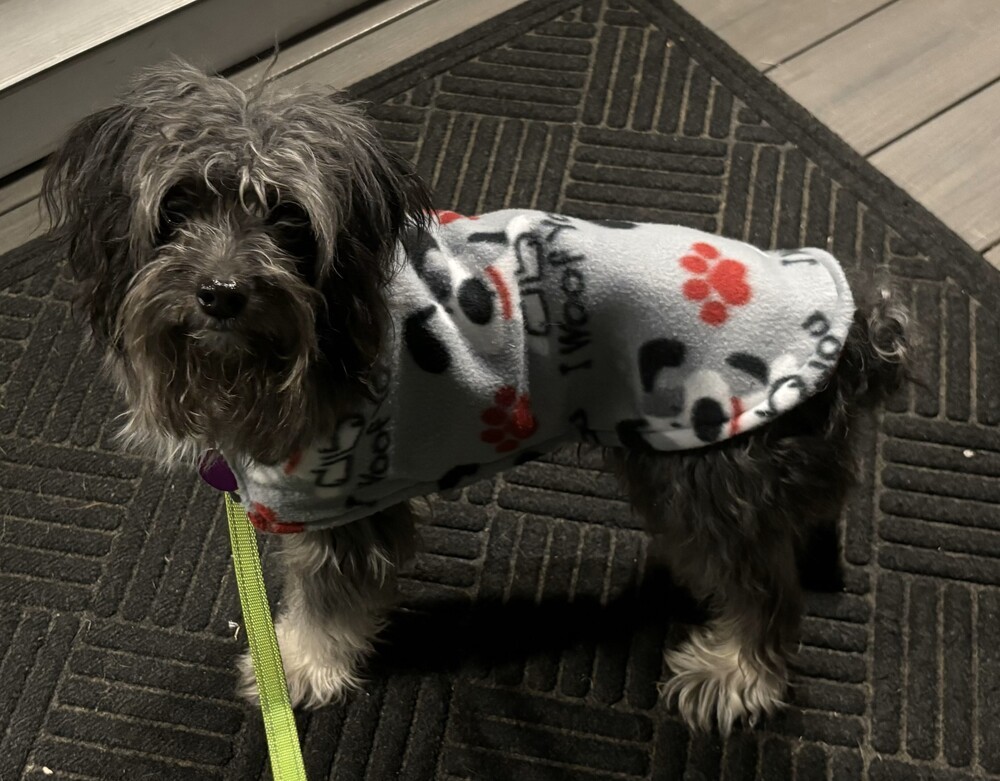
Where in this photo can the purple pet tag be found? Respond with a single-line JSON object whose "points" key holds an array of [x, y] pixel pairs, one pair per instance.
{"points": [[216, 472]]}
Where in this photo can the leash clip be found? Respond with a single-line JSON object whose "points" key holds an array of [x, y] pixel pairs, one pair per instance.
{"points": [[216, 472]]}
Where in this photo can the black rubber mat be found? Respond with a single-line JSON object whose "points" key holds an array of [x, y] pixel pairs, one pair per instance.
{"points": [[532, 638]]}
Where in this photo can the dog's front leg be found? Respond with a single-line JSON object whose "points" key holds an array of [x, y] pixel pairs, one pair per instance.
{"points": [[339, 584]]}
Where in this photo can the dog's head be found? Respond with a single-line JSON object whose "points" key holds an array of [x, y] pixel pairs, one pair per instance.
{"points": [[232, 251]]}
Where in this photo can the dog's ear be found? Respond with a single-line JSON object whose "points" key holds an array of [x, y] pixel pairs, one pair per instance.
{"points": [[385, 199], [103, 207], [85, 194]]}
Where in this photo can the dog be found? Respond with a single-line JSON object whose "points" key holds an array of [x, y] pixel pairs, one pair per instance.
{"points": [[235, 256]]}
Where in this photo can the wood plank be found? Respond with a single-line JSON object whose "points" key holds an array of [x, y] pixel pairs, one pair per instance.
{"points": [[768, 32], [20, 225], [20, 190], [897, 68], [386, 45], [36, 36], [47, 104], [952, 166], [993, 256], [324, 42]]}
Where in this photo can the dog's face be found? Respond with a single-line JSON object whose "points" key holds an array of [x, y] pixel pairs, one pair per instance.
{"points": [[231, 251]]}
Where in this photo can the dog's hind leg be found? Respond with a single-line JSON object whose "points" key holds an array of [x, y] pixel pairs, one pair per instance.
{"points": [[731, 542], [733, 670], [338, 586]]}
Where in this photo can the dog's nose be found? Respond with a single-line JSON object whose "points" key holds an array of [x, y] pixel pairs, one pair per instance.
{"points": [[221, 298]]}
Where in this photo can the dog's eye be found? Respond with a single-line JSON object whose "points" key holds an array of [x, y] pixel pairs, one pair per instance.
{"points": [[294, 234], [173, 216], [288, 213], [175, 208]]}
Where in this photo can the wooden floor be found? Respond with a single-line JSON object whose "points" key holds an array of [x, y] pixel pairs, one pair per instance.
{"points": [[913, 85]]}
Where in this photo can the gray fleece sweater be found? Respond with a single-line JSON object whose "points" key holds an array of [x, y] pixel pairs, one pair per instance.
{"points": [[517, 331]]}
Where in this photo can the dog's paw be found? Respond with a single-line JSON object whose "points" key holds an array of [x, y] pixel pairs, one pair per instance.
{"points": [[316, 676], [715, 680]]}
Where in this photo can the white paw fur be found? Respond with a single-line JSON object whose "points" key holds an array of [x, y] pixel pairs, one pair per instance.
{"points": [[321, 666], [716, 680]]}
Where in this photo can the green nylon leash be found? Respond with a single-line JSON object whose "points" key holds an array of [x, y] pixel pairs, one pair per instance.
{"points": [[279, 723]]}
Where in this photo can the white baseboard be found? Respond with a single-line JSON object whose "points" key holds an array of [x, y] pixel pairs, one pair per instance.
{"points": [[52, 92]]}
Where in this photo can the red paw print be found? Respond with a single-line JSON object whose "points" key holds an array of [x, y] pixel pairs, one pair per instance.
{"points": [[444, 217], [509, 421], [725, 278], [264, 519]]}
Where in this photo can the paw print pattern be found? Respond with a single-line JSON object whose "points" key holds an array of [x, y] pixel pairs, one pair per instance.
{"points": [[510, 420], [717, 282], [264, 519], [444, 217]]}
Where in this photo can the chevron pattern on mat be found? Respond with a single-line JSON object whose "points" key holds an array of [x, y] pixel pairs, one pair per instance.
{"points": [[530, 637]]}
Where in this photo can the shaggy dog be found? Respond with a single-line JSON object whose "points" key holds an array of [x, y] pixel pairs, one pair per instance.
{"points": [[235, 254]]}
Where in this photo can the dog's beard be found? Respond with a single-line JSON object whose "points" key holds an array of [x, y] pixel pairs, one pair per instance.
{"points": [[246, 386]]}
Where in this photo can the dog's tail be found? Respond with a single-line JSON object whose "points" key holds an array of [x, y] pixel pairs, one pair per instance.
{"points": [[877, 348]]}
